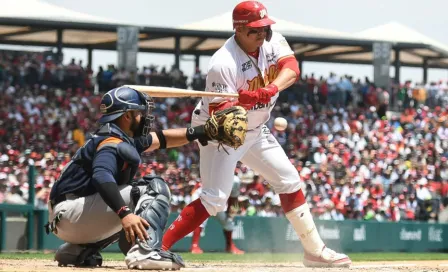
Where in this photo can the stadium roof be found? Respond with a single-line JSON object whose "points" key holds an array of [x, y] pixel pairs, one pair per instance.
{"points": [[325, 45], [223, 22], [303, 39], [33, 22], [39, 10], [434, 51]]}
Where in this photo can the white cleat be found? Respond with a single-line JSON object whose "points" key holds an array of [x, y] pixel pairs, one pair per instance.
{"points": [[328, 258], [155, 260]]}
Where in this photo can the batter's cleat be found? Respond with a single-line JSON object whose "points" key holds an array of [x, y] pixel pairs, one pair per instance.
{"points": [[195, 249], [234, 250], [155, 260], [328, 258]]}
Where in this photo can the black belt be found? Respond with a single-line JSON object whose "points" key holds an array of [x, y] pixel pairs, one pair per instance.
{"points": [[57, 200]]}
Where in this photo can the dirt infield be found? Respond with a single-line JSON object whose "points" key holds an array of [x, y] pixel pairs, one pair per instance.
{"points": [[49, 266]]}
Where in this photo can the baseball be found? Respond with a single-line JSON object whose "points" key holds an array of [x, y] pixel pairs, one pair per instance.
{"points": [[280, 123]]}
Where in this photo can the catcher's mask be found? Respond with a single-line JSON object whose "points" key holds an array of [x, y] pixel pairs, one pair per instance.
{"points": [[118, 101]]}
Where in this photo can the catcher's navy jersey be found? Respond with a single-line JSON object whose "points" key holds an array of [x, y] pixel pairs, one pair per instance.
{"points": [[100, 160]]}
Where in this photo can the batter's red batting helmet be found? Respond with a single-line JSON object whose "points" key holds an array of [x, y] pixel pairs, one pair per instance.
{"points": [[251, 14]]}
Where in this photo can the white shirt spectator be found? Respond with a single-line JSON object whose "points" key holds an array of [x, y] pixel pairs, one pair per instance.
{"points": [[423, 193], [336, 215], [319, 157]]}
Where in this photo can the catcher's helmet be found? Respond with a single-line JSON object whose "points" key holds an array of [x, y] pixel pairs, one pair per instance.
{"points": [[251, 14], [117, 101]]}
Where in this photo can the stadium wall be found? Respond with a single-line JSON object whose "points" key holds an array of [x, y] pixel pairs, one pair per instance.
{"points": [[261, 234]]}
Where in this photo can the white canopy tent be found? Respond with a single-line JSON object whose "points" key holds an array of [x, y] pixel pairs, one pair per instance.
{"points": [[413, 49], [394, 32], [35, 9], [223, 22], [16, 10], [33, 22]]}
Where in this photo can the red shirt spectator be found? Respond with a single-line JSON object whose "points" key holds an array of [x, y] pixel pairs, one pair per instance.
{"points": [[256, 185]]}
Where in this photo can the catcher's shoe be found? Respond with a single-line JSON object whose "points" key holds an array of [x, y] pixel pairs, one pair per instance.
{"points": [[328, 258], [78, 255], [234, 250], [154, 260], [90, 261], [195, 249]]}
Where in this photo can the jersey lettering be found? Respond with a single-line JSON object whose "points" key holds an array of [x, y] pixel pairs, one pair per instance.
{"points": [[269, 76], [260, 106]]}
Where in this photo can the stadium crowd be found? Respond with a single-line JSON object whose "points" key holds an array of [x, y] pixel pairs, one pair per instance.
{"points": [[357, 162]]}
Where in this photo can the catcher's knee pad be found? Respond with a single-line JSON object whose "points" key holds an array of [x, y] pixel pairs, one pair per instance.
{"points": [[225, 220], [84, 255], [153, 206]]}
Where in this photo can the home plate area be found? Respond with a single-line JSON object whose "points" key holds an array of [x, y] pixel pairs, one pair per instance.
{"points": [[47, 265]]}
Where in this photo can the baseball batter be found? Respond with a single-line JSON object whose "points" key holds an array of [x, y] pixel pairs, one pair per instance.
{"points": [[257, 63]]}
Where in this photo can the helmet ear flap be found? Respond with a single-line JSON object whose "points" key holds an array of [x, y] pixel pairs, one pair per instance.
{"points": [[268, 33]]}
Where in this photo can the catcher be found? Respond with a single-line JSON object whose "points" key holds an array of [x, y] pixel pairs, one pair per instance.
{"points": [[96, 202]]}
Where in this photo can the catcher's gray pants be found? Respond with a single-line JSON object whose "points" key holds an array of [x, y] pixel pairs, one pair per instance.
{"points": [[88, 219]]}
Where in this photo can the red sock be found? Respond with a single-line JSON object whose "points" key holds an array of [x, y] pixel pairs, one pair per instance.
{"points": [[291, 201], [190, 218], [196, 236], [229, 241]]}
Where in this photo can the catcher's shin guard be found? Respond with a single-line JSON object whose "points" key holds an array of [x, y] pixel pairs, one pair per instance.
{"points": [[85, 255], [154, 207]]}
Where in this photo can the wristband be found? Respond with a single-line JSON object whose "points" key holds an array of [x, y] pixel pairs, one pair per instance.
{"points": [[272, 88], [221, 106], [123, 211], [162, 139], [197, 133]]}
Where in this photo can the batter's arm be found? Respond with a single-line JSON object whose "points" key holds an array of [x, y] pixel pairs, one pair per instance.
{"points": [[287, 65], [288, 72]]}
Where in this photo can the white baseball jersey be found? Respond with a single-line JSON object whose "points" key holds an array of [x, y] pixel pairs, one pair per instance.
{"points": [[231, 69]]}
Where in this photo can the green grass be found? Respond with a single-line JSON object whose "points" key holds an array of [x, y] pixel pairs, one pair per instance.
{"points": [[257, 257]]}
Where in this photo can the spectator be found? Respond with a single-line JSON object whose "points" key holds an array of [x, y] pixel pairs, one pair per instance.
{"points": [[355, 162]]}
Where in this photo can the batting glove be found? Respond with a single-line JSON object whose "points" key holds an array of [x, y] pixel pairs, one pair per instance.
{"points": [[266, 93], [262, 95]]}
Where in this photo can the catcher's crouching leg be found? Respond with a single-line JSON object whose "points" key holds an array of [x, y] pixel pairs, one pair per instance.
{"points": [[85, 255], [154, 207]]}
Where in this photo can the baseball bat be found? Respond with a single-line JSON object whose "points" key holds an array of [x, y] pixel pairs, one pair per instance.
{"points": [[156, 91]]}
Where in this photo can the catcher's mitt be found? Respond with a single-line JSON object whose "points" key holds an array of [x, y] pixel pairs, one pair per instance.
{"points": [[228, 126]]}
